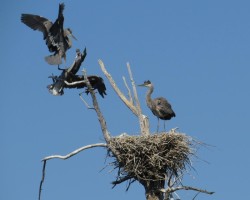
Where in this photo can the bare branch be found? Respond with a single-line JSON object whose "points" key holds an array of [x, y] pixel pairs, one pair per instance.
{"points": [[144, 123], [129, 93], [134, 90], [191, 188], [169, 191], [41, 182], [75, 152], [97, 109], [85, 103], [74, 83], [117, 90]]}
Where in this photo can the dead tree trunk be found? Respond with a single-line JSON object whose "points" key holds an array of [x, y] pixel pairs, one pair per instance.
{"points": [[152, 189]]}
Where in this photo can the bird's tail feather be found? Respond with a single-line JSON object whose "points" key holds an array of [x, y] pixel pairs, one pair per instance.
{"points": [[54, 59]]}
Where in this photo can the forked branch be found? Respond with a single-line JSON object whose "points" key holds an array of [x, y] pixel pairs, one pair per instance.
{"points": [[136, 109], [117, 90], [64, 158], [143, 119]]}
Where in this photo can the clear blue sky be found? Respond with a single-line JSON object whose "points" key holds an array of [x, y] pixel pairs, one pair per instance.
{"points": [[197, 54]]}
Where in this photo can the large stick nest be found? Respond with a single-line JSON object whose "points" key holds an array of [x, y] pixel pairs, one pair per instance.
{"points": [[151, 158]]}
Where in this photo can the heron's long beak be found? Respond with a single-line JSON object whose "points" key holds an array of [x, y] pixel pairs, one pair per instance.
{"points": [[142, 85]]}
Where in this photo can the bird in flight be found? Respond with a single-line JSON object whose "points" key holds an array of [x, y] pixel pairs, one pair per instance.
{"points": [[56, 37]]}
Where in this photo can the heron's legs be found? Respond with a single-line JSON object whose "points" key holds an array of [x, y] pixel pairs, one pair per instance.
{"points": [[85, 103], [158, 124]]}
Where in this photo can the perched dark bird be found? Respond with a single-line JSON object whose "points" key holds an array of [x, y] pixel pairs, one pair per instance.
{"points": [[96, 83], [67, 74], [69, 79], [77, 81], [159, 106], [56, 37]]}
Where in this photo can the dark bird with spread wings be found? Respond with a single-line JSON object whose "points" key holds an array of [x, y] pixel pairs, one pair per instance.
{"points": [[56, 37], [69, 79], [159, 106]]}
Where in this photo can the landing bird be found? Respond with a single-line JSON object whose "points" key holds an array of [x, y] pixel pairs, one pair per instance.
{"points": [[57, 39], [159, 106], [69, 79]]}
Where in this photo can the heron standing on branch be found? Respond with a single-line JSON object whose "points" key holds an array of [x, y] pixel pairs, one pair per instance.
{"points": [[159, 106]]}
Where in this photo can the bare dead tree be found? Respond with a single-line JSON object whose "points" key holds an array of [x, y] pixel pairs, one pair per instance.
{"points": [[157, 161]]}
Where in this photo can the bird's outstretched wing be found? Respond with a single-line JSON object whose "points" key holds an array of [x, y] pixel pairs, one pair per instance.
{"points": [[57, 28], [37, 22]]}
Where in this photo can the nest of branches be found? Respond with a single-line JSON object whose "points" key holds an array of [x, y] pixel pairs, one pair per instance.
{"points": [[155, 157]]}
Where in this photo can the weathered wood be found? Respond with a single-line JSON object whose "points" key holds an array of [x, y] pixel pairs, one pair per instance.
{"points": [[143, 119], [136, 109], [74, 152], [101, 119]]}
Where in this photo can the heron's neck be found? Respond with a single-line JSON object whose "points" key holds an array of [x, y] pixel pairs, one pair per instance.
{"points": [[148, 96]]}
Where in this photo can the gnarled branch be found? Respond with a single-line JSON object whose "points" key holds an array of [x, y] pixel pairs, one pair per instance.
{"points": [[64, 158], [75, 152]]}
